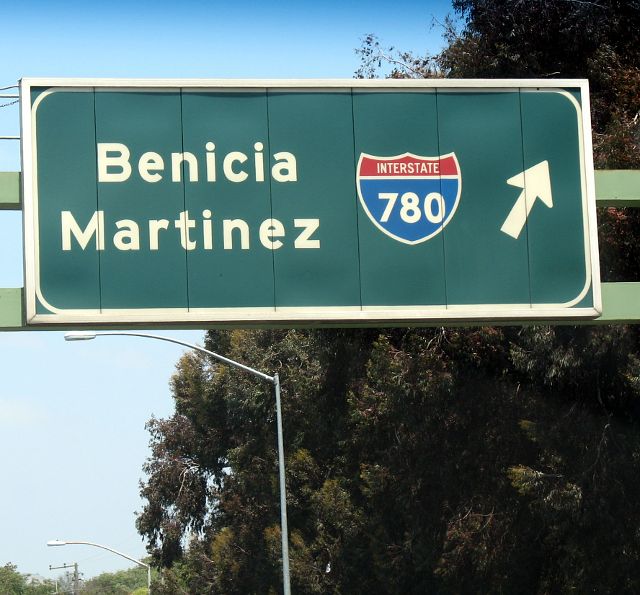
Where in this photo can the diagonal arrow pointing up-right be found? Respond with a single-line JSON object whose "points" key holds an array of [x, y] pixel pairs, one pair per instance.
{"points": [[535, 183]]}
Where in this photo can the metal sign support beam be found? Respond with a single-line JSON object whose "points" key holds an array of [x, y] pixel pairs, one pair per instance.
{"points": [[614, 188]]}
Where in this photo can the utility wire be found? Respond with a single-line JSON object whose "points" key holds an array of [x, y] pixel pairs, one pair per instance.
{"points": [[11, 102]]}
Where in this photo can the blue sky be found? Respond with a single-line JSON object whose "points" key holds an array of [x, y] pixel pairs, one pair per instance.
{"points": [[72, 416]]}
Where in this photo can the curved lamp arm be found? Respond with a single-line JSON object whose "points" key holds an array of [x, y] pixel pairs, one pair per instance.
{"points": [[83, 336]]}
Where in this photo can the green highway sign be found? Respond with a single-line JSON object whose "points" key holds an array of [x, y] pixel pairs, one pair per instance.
{"points": [[307, 202]]}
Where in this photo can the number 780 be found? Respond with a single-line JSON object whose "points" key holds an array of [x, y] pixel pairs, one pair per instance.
{"points": [[410, 208]]}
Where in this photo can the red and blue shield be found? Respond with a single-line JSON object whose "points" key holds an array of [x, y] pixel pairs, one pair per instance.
{"points": [[408, 197]]}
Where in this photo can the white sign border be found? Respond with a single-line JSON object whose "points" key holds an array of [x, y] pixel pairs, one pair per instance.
{"points": [[307, 315]]}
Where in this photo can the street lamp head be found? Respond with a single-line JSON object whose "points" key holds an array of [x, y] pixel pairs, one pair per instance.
{"points": [[79, 336], [55, 542]]}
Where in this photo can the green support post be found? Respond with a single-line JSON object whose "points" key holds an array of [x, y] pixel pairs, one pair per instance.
{"points": [[10, 195], [618, 188], [11, 310]]}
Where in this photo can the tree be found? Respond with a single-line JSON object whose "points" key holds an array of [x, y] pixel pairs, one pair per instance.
{"points": [[551, 39], [489, 460], [132, 581], [542, 39], [593, 40], [417, 461], [13, 582]]}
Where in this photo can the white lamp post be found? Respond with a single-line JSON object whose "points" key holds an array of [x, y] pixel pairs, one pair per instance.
{"points": [[59, 542], [275, 380]]}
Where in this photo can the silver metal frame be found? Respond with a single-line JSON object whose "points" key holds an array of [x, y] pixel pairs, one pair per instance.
{"points": [[309, 315]]}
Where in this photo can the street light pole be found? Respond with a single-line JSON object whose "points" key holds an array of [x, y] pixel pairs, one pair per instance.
{"points": [[275, 380], [60, 542]]}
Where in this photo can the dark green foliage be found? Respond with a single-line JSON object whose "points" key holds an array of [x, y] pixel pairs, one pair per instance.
{"points": [[547, 37], [596, 40], [485, 460], [599, 41]]}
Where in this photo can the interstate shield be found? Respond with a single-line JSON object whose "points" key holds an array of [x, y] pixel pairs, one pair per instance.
{"points": [[408, 197]]}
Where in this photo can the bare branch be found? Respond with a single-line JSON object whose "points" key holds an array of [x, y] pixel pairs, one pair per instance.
{"points": [[586, 2]]}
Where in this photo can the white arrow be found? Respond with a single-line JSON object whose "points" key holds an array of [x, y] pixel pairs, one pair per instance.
{"points": [[535, 183]]}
